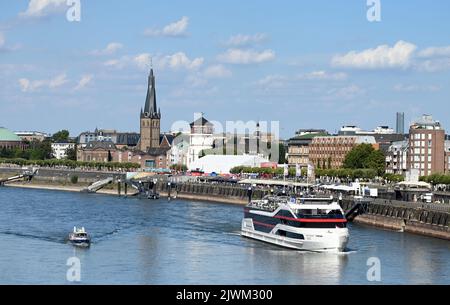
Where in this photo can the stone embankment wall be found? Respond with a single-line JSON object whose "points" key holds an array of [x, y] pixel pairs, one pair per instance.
{"points": [[48, 175], [425, 219], [235, 194]]}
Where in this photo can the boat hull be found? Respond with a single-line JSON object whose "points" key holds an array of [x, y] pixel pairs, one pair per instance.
{"points": [[81, 243], [315, 240]]}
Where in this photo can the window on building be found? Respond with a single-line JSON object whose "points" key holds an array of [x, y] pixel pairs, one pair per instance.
{"points": [[150, 163]]}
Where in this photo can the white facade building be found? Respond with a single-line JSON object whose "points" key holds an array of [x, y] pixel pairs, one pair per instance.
{"points": [[180, 150], [60, 149], [397, 157], [200, 138]]}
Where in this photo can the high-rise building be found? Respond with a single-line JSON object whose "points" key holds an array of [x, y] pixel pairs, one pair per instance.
{"points": [[427, 146], [400, 123]]}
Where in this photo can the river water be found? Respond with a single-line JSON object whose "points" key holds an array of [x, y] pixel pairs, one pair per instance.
{"points": [[139, 241]]}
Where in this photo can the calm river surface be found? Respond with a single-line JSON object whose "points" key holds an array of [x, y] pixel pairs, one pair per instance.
{"points": [[187, 242]]}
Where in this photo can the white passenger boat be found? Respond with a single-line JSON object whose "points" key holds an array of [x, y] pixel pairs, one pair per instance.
{"points": [[79, 237], [309, 224]]}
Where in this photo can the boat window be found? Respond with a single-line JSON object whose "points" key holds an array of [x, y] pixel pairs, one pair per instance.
{"points": [[335, 213]]}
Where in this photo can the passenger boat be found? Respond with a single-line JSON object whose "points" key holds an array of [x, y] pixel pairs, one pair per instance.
{"points": [[79, 237], [309, 224]]}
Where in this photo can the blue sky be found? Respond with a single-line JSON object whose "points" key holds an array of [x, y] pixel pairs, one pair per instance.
{"points": [[307, 64]]}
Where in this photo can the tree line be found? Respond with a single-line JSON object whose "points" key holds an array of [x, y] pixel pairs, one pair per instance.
{"points": [[53, 163]]}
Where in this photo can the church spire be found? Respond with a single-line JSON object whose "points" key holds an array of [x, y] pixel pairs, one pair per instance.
{"points": [[150, 102]]}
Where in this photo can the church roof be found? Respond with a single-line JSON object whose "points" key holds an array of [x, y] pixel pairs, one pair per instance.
{"points": [[201, 122], [129, 139], [150, 109], [169, 138], [159, 151], [106, 145]]}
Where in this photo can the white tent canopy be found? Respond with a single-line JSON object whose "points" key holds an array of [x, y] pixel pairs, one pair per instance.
{"points": [[222, 164], [419, 184]]}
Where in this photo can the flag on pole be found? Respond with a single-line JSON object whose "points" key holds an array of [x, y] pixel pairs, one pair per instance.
{"points": [[286, 170]]}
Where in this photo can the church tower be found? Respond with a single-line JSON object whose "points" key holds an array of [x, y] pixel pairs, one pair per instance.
{"points": [[150, 118]]}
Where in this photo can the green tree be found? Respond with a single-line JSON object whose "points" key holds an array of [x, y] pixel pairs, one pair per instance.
{"points": [[364, 156], [377, 161], [61, 136], [282, 153], [358, 156], [72, 154]]}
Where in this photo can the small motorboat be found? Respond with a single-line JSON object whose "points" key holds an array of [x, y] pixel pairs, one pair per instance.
{"points": [[79, 237], [152, 195]]}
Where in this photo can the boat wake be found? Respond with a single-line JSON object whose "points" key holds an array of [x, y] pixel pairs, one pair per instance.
{"points": [[37, 237]]}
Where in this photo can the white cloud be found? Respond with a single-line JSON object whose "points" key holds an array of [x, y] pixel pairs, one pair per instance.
{"points": [[245, 57], [217, 71], [180, 60], [345, 93], [110, 49], [2, 40], [382, 57], [143, 61], [27, 85], [196, 81], [273, 81], [58, 81], [3, 45], [245, 40], [175, 29], [116, 63], [42, 8], [435, 52], [84, 81], [434, 65], [323, 75], [416, 88]]}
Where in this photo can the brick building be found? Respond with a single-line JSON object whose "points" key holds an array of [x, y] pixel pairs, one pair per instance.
{"points": [[298, 146], [447, 157], [330, 152], [427, 146], [98, 151]]}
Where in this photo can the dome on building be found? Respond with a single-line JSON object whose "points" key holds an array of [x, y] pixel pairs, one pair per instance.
{"points": [[8, 136]]}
